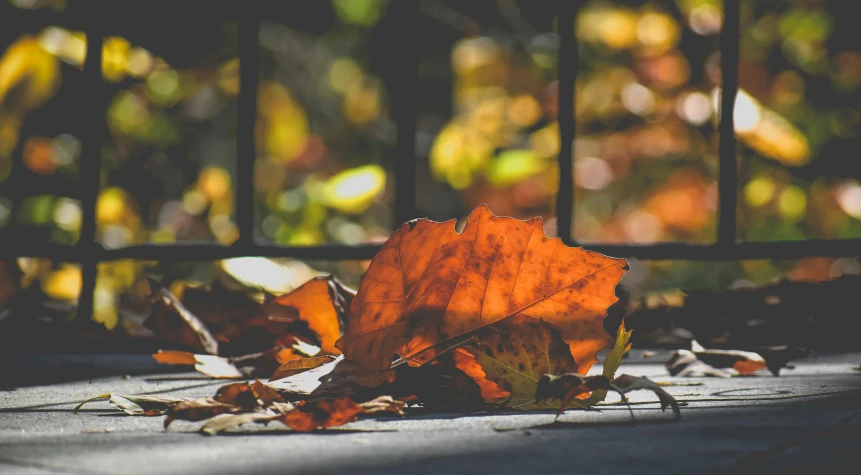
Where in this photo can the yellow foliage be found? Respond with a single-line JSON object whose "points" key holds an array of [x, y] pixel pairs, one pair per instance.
{"points": [[111, 205], [513, 166], [214, 183], [227, 77], [344, 74], [362, 104], [353, 190], [283, 125], [115, 51], [63, 283], [457, 153], [31, 71]]}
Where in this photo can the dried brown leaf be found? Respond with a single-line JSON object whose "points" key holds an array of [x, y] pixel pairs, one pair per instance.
{"points": [[745, 362], [212, 366], [324, 413], [172, 321], [197, 410], [137, 405], [685, 363], [301, 365], [321, 303]]}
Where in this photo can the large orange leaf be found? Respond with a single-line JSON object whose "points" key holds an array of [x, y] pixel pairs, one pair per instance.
{"points": [[429, 284]]}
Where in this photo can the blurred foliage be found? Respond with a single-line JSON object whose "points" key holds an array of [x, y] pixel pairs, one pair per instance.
{"points": [[645, 151]]}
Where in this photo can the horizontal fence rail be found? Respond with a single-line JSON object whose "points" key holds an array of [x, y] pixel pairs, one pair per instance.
{"points": [[404, 94], [199, 251]]}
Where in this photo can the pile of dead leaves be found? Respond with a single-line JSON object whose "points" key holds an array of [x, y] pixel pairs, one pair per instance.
{"points": [[498, 315]]}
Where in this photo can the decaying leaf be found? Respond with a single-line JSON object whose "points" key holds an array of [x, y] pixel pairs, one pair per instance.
{"points": [[626, 383], [347, 378], [223, 422], [429, 284], [303, 383], [307, 417], [321, 303], [611, 364], [137, 405], [745, 362], [439, 385], [247, 395], [568, 386], [777, 357], [301, 365], [264, 363], [516, 352], [685, 363], [490, 391], [324, 413], [212, 366], [197, 410], [173, 322]]}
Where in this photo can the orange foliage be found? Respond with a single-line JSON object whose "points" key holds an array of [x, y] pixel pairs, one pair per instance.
{"points": [[318, 302], [490, 391], [430, 284]]}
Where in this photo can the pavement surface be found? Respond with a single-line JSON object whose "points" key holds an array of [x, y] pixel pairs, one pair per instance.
{"points": [[808, 420]]}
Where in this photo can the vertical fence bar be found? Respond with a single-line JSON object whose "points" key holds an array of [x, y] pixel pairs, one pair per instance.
{"points": [[567, 66], [728, 179], [405, 108], [92, 107], [246, 118]]}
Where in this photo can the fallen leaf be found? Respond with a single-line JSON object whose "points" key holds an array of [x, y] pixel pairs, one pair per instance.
{"points": [[264, 363], [516, 352], [300, 365], [567, 387], [247, 395], [685, 363], [626, 383], [745, 362], [307, 417], [302, 384], [490, 391], [212, 366], [223, 422], [137, 405], [429, 284], [348, 378], [226, 313], [197, 410], [172, 321], [324, 413], [437, 385], [611, 364], [337, 378], [777, 357], [321, 303], [185, 358]]}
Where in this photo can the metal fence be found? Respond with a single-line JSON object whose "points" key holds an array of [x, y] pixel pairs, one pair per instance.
{"points": [[405, 111]]}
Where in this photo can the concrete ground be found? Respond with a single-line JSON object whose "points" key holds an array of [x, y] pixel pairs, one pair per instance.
{"points": [[806, 421]]}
